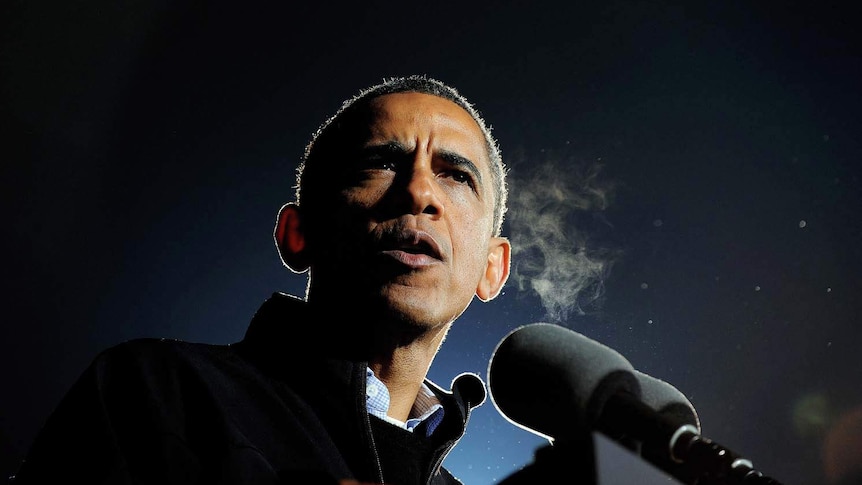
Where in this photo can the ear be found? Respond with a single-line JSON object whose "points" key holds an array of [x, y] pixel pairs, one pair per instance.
{"points": [[290, 239], [496, 269]]}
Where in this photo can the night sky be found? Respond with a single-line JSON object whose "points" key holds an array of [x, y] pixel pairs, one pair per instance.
{"points": [[685, 190]]}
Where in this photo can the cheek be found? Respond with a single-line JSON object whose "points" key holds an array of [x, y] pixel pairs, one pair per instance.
{"points": [[473, 233], [472, 252], [472, 218], [365, 195]]}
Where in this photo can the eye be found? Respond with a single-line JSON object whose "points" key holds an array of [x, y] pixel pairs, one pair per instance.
{"points": [[378, 162], [461, 170], [462, 177], [381, 157]]}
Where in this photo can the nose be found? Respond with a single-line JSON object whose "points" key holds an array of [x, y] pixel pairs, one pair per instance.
{"points": [[423, 190]]}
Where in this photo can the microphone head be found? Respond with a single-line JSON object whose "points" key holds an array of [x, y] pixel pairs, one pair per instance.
{"points": [[553, 381], [667, 400]]}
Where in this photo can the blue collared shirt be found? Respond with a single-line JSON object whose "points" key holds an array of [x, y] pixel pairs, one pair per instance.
{"points": [[426, 407]]}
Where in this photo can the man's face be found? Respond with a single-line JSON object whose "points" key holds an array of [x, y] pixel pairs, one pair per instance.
{"points": [[412, 226]]}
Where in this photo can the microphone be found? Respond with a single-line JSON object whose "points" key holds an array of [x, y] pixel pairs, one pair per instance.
{"points": [[561, 385], [667, 400], [555, 382], [672, 404]]}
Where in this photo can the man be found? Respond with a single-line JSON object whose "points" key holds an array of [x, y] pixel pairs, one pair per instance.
{"points": [[399, 206]]}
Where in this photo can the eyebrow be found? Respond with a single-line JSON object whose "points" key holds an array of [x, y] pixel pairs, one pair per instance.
{"points": [[462, 162], [452, 158], [387, 148]]}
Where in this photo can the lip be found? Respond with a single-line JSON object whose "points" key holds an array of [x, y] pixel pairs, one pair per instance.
{"points": [[412, 248], [413, 260]]}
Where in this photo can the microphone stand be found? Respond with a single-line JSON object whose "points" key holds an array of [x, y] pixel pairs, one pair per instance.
{"points": [[710, 463], [675, 448]]}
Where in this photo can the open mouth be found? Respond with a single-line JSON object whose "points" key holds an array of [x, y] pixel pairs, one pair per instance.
{"points": [[420, 247], [412, 247]]}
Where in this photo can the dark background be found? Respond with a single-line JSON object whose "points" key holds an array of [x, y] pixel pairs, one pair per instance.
{"points": [[704, 157]]}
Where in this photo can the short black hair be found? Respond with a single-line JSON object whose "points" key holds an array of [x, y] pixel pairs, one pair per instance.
{"points": [[331, 137]]}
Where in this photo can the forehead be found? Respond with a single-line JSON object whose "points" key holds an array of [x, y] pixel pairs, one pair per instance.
{"points": [[412, 118]]}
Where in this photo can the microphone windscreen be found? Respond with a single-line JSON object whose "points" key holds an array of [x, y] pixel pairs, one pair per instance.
{"points": [[667, 400], [553, 381]]}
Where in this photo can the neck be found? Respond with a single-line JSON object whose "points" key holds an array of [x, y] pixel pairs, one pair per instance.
{"points": [[403, 370], [399, 352]]}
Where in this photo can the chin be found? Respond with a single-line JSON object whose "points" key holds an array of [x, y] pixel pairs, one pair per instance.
{"points": [[418, 311]]}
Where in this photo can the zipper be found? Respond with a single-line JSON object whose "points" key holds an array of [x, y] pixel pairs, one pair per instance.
{"points": [[364, 411], [374, 449]]}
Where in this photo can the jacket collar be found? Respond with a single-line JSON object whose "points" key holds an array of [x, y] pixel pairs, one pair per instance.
{"points": [[286, 339]]}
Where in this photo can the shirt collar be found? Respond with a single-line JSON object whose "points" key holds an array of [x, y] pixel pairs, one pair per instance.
{"points": [[426, 408]]}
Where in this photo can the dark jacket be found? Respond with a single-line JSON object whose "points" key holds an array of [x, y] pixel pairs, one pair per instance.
{"points": [[266, 410]]}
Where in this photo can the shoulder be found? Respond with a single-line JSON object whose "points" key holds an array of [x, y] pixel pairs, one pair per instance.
{"points": [[151, 359], [160, 350], [144, 376]]}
